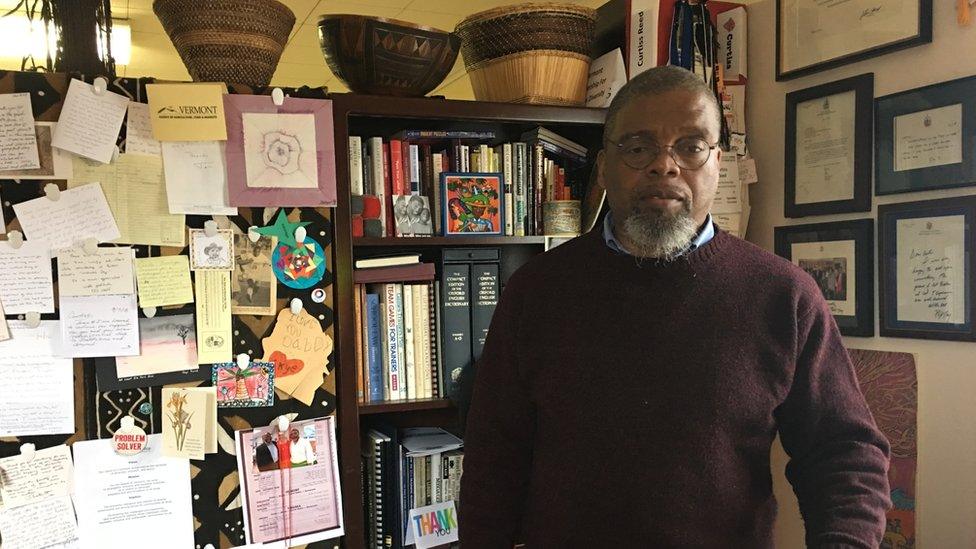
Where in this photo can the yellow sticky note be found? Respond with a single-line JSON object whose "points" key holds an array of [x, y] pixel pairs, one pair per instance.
{"points": [[164, 281], [213, 317], [187, 112], [136, 194]]}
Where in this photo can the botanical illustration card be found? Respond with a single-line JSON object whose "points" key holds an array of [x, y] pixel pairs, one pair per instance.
{"points": [[189, 422], [254, 289], [280, 155], [211, 252], [248, 387], [54, 163]]}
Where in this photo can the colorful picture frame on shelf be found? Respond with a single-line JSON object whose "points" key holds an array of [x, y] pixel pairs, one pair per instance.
{"points": [[280, 155], [926, 138], [926, 283], [840, 258], [828, 148], [473, 204]]}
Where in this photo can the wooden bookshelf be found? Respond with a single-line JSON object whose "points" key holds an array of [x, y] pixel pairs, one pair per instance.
{"points": [[383, 116]]}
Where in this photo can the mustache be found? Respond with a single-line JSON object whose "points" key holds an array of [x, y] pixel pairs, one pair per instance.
{"points": [[660, 192]]}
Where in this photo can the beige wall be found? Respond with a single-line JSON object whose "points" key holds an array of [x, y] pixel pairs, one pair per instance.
{"points": [[946, 486]]}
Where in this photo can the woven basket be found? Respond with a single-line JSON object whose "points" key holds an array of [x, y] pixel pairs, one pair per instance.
{"points": [[227, 40], [529, 53]]}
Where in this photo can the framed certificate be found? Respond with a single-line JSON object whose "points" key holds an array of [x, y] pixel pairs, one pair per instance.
{"points": [[925, 254], [828, 148], [839, 257], [815, 35], [926, 138]]}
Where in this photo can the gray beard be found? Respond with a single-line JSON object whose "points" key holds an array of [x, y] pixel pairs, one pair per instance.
{"points": [[662, 237]]}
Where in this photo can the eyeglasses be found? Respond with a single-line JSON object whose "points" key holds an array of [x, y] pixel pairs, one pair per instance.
{"points": [[689, 153]]}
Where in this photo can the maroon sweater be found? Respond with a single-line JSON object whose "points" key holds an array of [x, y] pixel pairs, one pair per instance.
{"points": [[626, 405]]}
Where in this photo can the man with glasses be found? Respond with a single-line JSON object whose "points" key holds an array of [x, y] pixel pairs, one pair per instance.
{"points": [[634, 378]]}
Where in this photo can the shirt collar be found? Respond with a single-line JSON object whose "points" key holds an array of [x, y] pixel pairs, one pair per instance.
{"points": [[705, 233]]}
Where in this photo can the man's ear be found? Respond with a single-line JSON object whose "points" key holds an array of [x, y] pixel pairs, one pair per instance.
{"points": [[718, 154], [600, 161]]}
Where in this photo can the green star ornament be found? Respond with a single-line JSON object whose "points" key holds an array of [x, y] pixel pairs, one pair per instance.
{"points": [[283, 229]]}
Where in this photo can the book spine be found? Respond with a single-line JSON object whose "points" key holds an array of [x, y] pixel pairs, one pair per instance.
{"points": [[555, 149], [484, 295], [388, 190], [446, 134], [422, 319], [414, 169], [456, 324], [465, 158], [360, 362], [410, 481], [484, 155], [374, 347], [410, 373], [433, 300], [420, 472], [396, 168], [428, 494], [416, 341], [509, 195], [356, 165], [393, 343], [437, 492], [519, 219], [401, 347], [377, 177], [538, 186]]}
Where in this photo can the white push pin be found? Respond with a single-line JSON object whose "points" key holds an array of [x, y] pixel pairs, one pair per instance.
{"points": [[129, 439], [150, 312], [53, 192], [15, 239], [252, 234], [90, 246], [210, 228], [208, 546], [243, 361], [278, 97], [300, 234], [295, 306], [32, 319], [282, 423], [27, 450], [100, 85]]}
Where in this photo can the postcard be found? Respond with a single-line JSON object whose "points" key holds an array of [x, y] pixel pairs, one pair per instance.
{"points": [[101, 325], [213, 316], [196, 178], [42, 523], [164, 281], [79, 213], [18, 142], [189, 422], [26, 278], [138, 131], [28, 407], [89, 123], [166, 344], [132, 497], [187, 112], [290, 482], [54, 163], [136, 194], [248, 387], [46, 474], [254, 288], [108, 271], [211, 252]]}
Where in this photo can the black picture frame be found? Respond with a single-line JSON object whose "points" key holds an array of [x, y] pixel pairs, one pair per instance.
{"points": [[925, 274], [923, 35], [863, 88], [861, 231], [889, 180]]}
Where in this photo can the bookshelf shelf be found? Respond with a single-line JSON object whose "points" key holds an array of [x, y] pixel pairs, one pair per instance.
{"points": [[404, 406], [449, 241]]}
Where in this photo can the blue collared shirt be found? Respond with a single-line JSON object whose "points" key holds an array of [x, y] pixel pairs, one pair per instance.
{"points": [[704, 235]]}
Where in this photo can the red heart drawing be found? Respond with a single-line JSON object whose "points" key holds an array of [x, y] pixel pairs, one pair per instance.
{"points": [[285, 366]]}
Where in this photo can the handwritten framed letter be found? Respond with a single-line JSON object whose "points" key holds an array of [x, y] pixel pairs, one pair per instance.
{"points": [[828, 148], [925, 255], [926, 138], [816, 35], [839, 257]]}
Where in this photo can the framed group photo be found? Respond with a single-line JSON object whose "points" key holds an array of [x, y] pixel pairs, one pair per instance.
{"points": [[812, 35], [828, 148], [925, 252], [473, 204], [926, 138], [840, 258]]}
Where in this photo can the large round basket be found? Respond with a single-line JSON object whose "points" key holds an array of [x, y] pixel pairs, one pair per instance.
{"points": [[236, 41], [529, 53]]}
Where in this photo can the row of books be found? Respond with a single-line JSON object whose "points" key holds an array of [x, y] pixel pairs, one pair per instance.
{"points": [[541, 167], [404, 470], [415, 333]]}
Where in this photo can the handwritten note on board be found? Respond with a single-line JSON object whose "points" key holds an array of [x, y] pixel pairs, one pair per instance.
{"points": [[164, 281], [104, 325], [138, 131], [80, 213], [45, 475], [44, 523], [37, 394], [196, 177], [26, 281], [18, 144], [106, 272], [89, 123]]}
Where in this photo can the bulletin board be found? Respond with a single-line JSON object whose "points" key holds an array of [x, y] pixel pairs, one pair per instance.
{"points": [[214, 481]]}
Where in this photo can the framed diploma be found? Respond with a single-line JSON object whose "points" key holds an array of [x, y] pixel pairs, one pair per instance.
{"points": [[925, 255], [828, 148], [816, 35], [840, 258], [926, 138]]}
